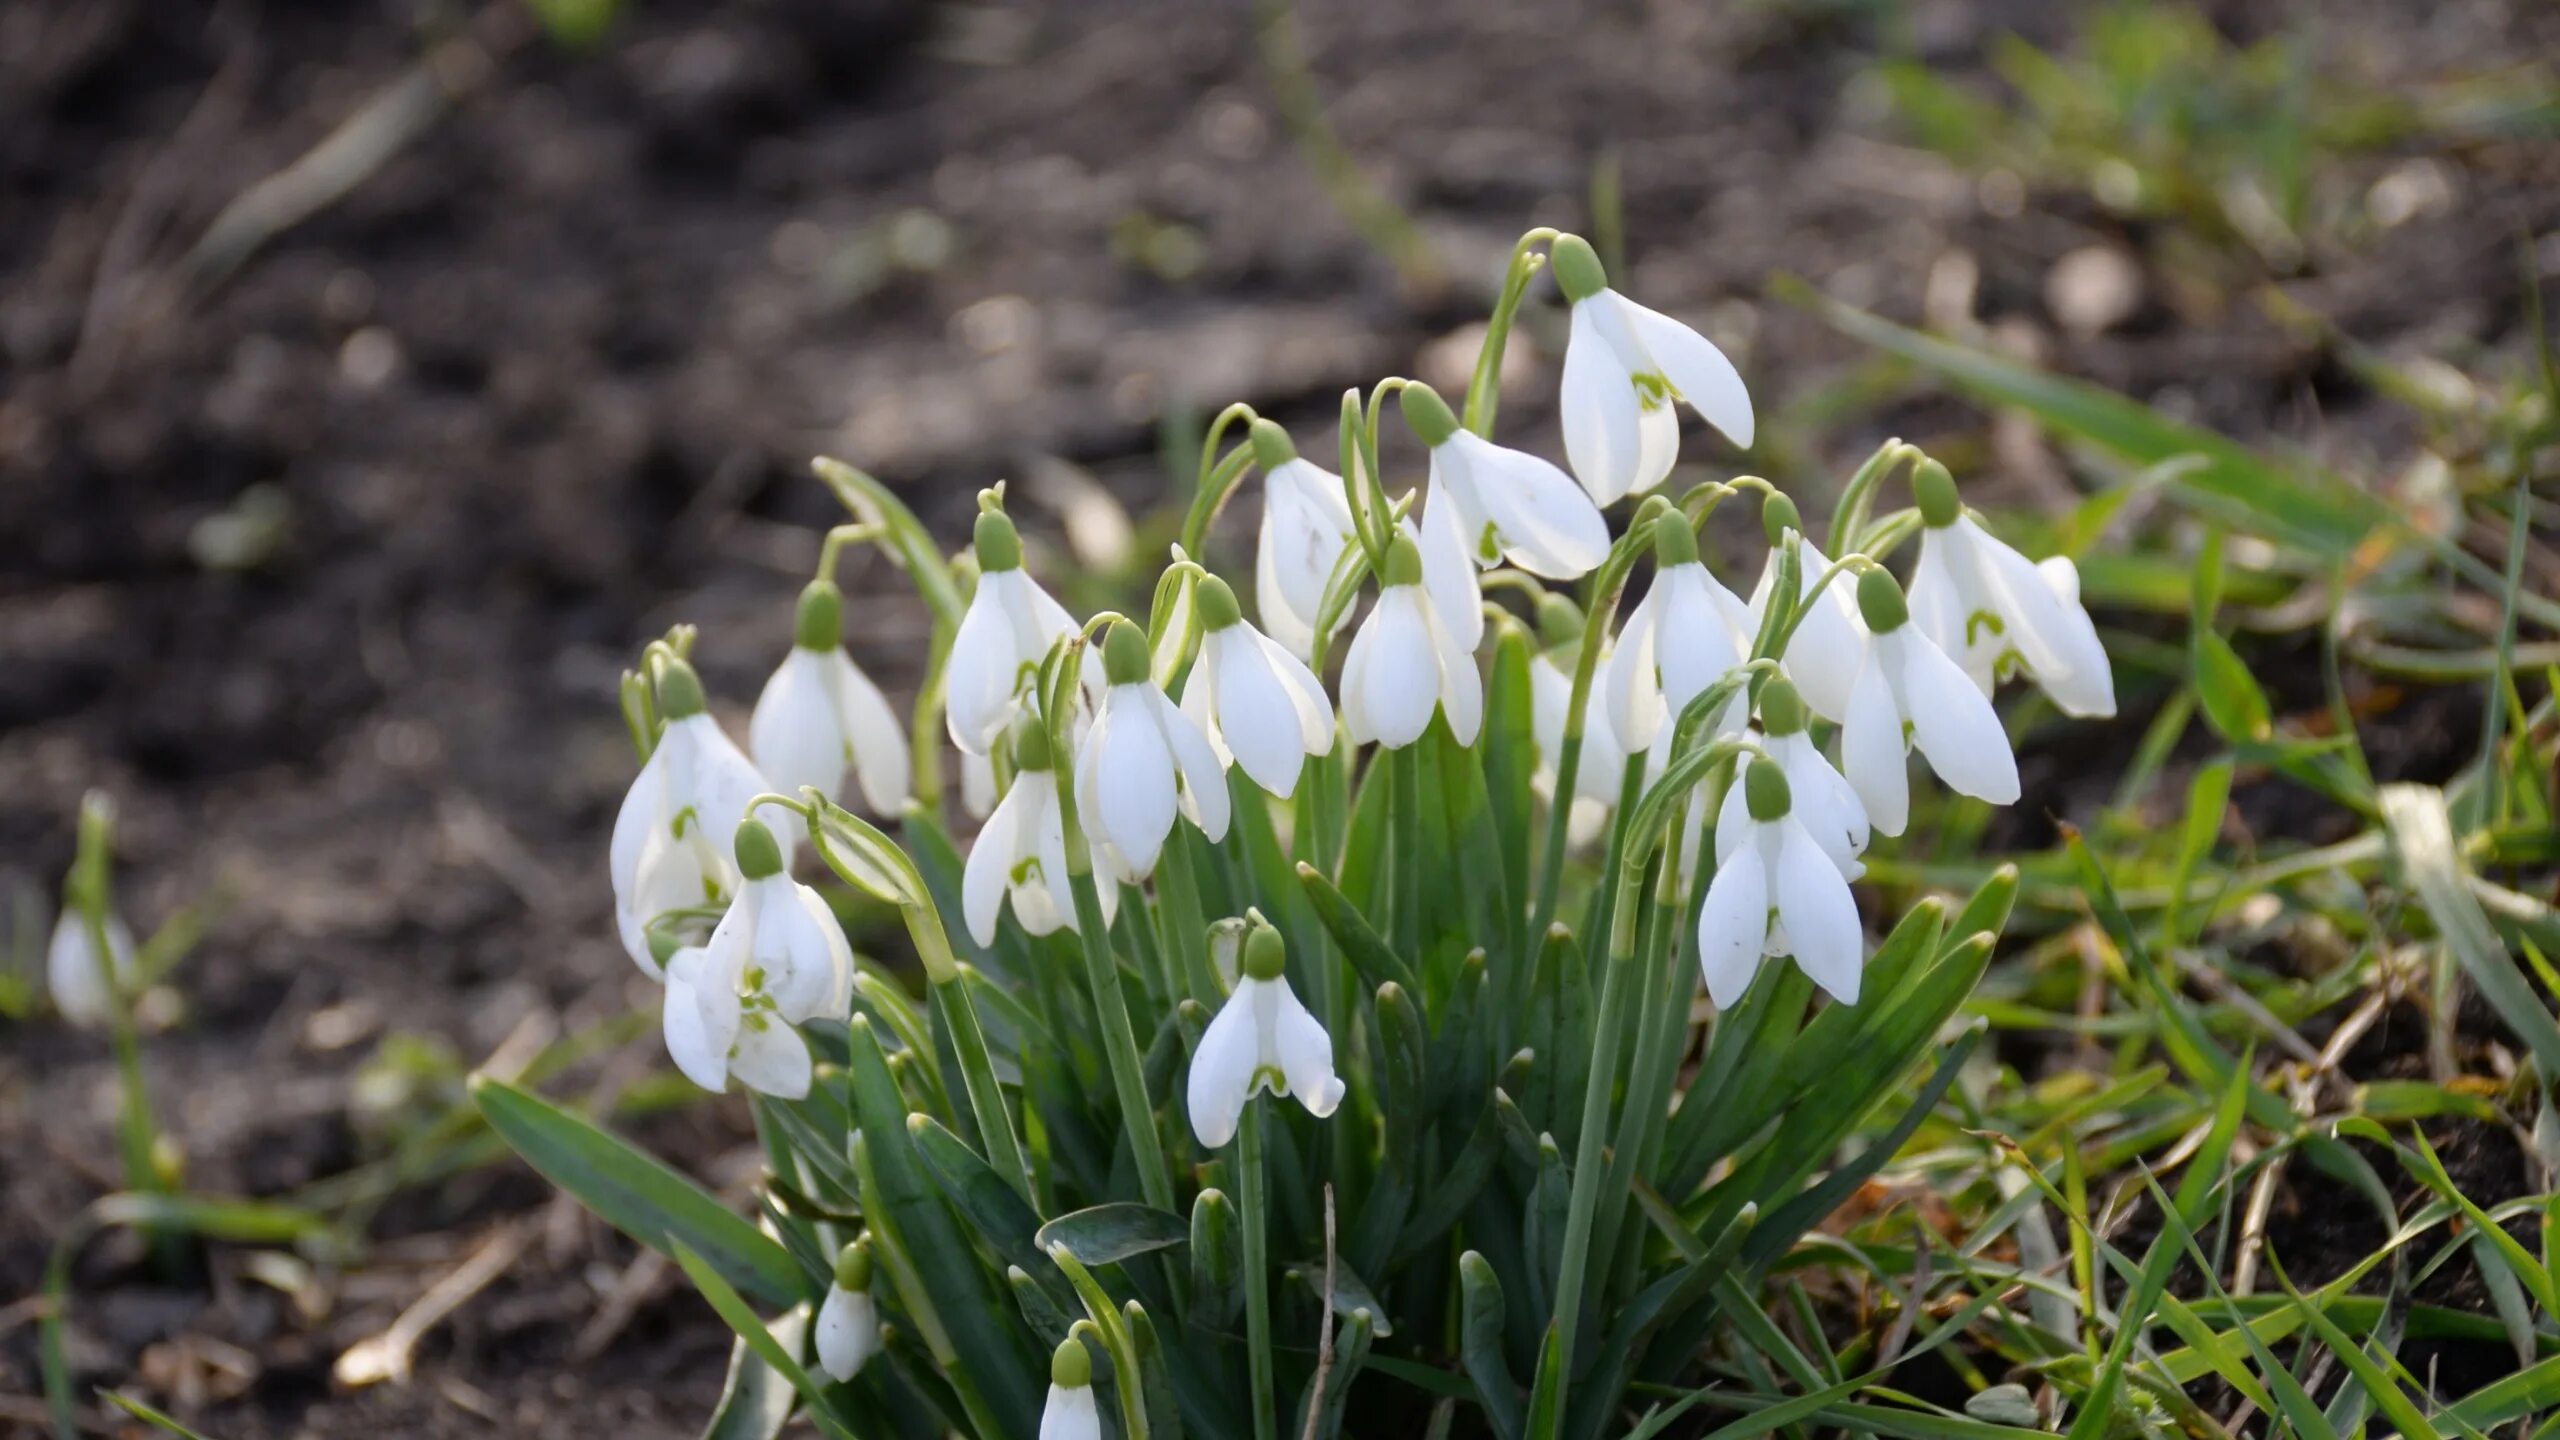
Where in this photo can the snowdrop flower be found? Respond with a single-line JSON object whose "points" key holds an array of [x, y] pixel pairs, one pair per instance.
{"points": [[1262, 1039], [1776, 893], [1823, 803], [1306, 527], [1259, 705], [668, 850], [75, 975], [1008, 629], [977, 784], [1488, 504], [1822, 655], [1406, 663], [1143, 762], [1070, 1413], [1623, 366], [1683, 636], [1603, 763], [775, 959], [820, 714], [1021, 854], [1996, 611], [848, 1320], [1908, 690]]}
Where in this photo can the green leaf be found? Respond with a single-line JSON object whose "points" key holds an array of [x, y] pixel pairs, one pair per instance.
{"points": [[1481, 1320], [639, 1196], [2233, 704], [146, 1414], [1364, 947], [1109, 1234], [755, 1399], [2422, 838], [750, 1328], [994, 1211]]}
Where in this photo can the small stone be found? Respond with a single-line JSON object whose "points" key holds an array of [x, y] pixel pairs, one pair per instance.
{"points": [[2093, 289]]}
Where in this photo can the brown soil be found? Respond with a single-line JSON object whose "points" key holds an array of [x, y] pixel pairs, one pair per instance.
{"points": [[544, 383]]}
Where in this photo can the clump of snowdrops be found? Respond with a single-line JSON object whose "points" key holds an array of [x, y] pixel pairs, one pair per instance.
{"points": [[1294, 1055]]}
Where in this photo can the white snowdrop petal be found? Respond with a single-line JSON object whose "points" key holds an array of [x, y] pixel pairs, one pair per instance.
{"points": [[1819, 913], [1399, 683], [1631, 685], [1733, 821], [78, 982], [1954, 726], [1222, 1069], [1306, 697], [1823, 655], [690, 1044], [1070, 1415], [874, 733], [1872, 748], [1046, 825], [1823, 803], [1258, 717], [770, 1057], [1134, 798], [1733, 922], [977, 680], [643, 812], [1692, 644], [987, 873], [1306, 523], [1203, 795], [1449, 567], [793, 736], [1461, 687], [2052, 634], [1695, 368], [1599, 410], [1937, 603], [977, 784], [1545, 522], [1305, 1052], [848, 1332]]}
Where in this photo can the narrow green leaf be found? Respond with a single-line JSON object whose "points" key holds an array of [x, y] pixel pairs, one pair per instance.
{"points": [[743, 1320], [755, 1400], [2422, 838], [636, 1194], [1109, 1234], [149, 1416]]}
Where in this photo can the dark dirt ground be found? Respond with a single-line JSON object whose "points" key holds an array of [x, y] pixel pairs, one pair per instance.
{"points": [[325, 571]]}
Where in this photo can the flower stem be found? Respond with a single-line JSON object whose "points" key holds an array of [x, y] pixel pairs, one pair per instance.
{"points": [[978, 1075], [1183, 924], [1111, 1009], [1257, 1274], [1485, 383], [1406, 816]]}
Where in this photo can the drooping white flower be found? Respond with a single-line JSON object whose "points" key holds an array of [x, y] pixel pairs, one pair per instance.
{"points": [[1406, 662], [1488, 504], [670, 848], [977, 784], [1144, 762], [1909, 692], [1823, 803], [1822, 655], [1776, 893], [1009, 626], [1259, 705], [1070, 1413], [1624, 365], [1687, 632], [79, 983], [1263, 1038], [820, 714], [848, 1326], [1602, 763], [1997, 612], [776, 959], [1306, 527], [1021, 852]]}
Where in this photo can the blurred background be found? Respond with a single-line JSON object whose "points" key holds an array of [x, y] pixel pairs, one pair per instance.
{"points": [[375, 378]]}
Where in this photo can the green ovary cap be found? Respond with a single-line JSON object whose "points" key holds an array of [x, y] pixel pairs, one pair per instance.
{"points": [[853, 1266], [820, 622], [1218, 608], [663, 945], [1764, 789], [1070, 1368], [1935, 491], [1124, 653], [1560, 622], [759, 854], [1265, 956], [1404, 561], [1271, 445], [1578, 271], [1674, 543], [679, 690], [1880, 601], [1427, 413], [999, 544], [1778, 515], [1781, 708], [1031, 744]]}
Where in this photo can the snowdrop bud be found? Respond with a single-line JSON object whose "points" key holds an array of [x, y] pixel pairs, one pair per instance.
{"points": [[1880, 603], [75, 976], [1008, 629], [1560, 623], [1764, 788], [1578, 271], [819, 714], [1408, 661], [1427, 414], [1258, 705], [1934, 490], [1272, 447], [759, 855], [1263, 1038], [1143, 763], [1778, 515], [848, 1329], [1070, 1413], [1782, 710]]}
